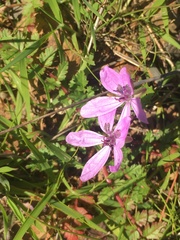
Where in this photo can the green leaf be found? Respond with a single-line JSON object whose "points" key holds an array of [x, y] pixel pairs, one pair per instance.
{"points": [[70, 113], [75, 215], [5, 221], [155, 7], [47, 56], [5, 183], [62, 70], [26, 52], [64, 157], [39, 156], [165, 18], [55, 9], [10, 90], [154, 231], [25, 90], [93, 35], [168, 158], [165, 183], [75, 41], [142, 39], [35, 213], [52, 84], [145, 216], [79, 82], [122, 186], [90, 6], [167, 37], [7, 169], [5, 122], [77, 13], [16, 210]]}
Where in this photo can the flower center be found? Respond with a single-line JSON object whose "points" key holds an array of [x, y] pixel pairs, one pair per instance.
{"points": [[110, 139], [124, 92]]}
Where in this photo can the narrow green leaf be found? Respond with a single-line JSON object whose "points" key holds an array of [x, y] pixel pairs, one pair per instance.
{"points": [[93, 10]]}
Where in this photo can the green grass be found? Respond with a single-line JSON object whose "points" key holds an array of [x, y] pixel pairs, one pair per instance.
{"points": [[51, 54]]}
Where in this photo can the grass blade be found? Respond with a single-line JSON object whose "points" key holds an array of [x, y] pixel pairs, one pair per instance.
{"points": [[25, 90], [35, 213], [56, 10], [75, 215]]}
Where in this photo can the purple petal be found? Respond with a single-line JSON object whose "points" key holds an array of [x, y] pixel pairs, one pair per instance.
{"points": [[95, 164], [126, 112], [126, 125], [137, 107], [125, 79], [84, 138], [123, 125], [99, 106], [118, 156], [107, 119], [109, 79]]}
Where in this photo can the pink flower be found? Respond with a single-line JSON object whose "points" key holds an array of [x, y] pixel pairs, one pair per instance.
{"points": [[120, 85], [112, 140]]}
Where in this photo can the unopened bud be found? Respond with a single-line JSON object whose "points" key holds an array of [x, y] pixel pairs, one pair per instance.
{"points": [[139, 92]]}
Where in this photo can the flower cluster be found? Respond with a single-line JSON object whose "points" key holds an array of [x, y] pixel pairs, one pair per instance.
{"points": [[114, 137]]}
